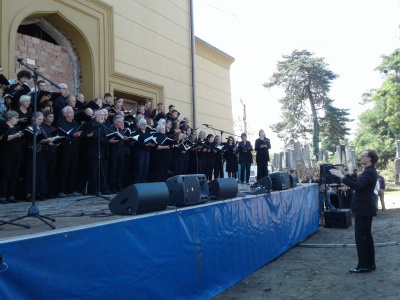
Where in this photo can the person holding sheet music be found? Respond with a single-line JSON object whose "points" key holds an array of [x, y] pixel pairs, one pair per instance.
{"points": [[178, 151], [20, 87], [230, 156], [44, 97], [24, 111], [262, 147], [68, 154], [3, 106], [11, 151], [160, 156], [202, 151], [142, 152], [41, 173], [218, 158], [192, 164], [60, 102], [117, 155], [209, 156], [245, 158], [186, 156], [97, 148], [50, 154], [158, 113]]}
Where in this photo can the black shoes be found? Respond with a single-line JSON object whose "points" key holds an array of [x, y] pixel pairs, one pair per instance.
{"points": [[360, 270]]}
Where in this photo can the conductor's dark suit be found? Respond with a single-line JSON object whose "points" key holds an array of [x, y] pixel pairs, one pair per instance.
{"points": [[364, 209]]}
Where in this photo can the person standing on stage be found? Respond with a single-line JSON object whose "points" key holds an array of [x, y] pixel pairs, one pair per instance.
{"points": [[245, 158], [68, 154], [230, 156], [364, 209], [11, 152], [218, 158], [262, 146], [60, 102], [147, 107]]}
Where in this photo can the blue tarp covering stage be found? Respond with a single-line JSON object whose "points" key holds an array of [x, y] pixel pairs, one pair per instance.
{"points": [[189, 253]]}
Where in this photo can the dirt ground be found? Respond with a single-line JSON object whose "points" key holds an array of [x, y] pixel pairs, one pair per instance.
{"points": [[318, 267]]}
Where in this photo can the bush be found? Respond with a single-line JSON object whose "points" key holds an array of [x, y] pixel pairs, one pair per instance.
{"points": [[390, 172]]}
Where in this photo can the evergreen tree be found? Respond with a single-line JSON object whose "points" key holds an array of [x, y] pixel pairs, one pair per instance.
{"points": [[306, 108]]}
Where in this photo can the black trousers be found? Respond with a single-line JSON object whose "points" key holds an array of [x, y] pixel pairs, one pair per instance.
{"points": [[10, 165], [364, 241], [115, 169], [245, 166], [142, 166], [262, 170], [68, 168]]}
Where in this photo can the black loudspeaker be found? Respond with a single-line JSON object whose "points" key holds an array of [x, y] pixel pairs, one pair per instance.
{"points": [[337, 218], [294, 180], [185, 190], [140, 198], [265, 183], [280, 181], [223, 188]]}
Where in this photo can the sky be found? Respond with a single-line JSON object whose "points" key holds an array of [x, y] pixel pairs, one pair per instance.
{"points": [[351, 35]]}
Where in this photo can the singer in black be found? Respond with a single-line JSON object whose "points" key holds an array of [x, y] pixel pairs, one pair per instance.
{"points": [[230, 156], [97, 148], [142, 152], [11, 151], [245, 158], [118, 151], [19, 88], [68, 154], [50, 154], [364, 209], [262, 147]]}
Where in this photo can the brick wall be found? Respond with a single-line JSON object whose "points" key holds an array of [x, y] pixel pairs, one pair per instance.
{"points": [[51, 60]]}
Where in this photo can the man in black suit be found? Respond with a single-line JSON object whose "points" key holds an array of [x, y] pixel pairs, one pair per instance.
{"points": [[364, 209]]}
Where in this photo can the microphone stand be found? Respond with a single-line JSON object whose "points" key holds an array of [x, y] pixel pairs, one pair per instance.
{"points": [[98, 194], [33, 210], [221, 131]]}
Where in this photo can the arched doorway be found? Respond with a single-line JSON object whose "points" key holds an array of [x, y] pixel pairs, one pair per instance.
{"points": [[49, 50]]}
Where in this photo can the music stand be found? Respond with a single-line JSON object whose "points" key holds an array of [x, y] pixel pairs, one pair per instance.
{"points": [[34, 210]]}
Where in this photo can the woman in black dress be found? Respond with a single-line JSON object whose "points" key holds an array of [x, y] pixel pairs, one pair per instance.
{"points": [[160, 157], [209, 155], [178, 153], [11, 152], [230, 156], [41, 188], [218, 158], [142, 152], [262, 146]]}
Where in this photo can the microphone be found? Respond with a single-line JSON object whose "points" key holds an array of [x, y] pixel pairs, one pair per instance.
{"points": [[206, 125], [57, 86], [20, 60]]}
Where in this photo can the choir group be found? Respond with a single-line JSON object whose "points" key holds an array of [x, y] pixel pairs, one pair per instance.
{"points": [[98, 147]]}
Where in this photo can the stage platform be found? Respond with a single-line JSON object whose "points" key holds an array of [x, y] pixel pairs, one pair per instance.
{"points": [[185, 253]]}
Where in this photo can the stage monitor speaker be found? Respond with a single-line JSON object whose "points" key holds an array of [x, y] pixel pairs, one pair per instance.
{"points": [[337, 218], [140, 198], [294, 180], [264, 182], [223, 188], [280, 181], [185, 190]]}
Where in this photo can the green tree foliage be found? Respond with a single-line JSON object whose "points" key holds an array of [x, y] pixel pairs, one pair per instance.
{"points": [[380, 125], [306, 108]]}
